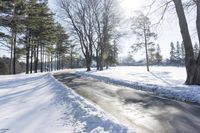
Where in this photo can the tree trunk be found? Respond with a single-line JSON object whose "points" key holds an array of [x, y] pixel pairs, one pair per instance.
{"points": [[88, 62], [36, 58], [41, 58], [97, 59], [191, 66], [51, 62], [11, 54], [62, 61], [196, 79], [14, 53], [27, 52], [31, 66], [71, 59], [58, 61], [45, 63], [146, 50], [101, 60], [27, 59]]}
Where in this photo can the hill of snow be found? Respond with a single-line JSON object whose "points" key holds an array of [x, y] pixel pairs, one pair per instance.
{"points": [[39, 104]]}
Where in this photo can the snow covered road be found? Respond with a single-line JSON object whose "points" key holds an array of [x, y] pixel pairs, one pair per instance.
{"points": [[139, 110], [39, 104]]}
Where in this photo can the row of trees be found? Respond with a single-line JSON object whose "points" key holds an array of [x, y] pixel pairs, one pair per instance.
{"points": [[93, 24], [177, 53], [30, 32]]}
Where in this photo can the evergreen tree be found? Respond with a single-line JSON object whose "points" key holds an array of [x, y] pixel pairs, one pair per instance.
{"points": [[172, 54], [158, 55], [152, 53], [141, 27], [178, 53], [112, 57], [73, 53], [13, 20], [62, 46], [31, 23], [41, 35], [182, 53]]}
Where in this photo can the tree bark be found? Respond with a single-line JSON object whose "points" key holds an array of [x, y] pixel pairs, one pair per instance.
{"points": [[27, 59], [190, 63], [71, 59], [97, 59], [101, 60], [11, 54], [146, 50], [88, 63], [36, 58], [31, 65], [14, 53], [27, 51], [51, 62], [45, 62], [41, 58]]}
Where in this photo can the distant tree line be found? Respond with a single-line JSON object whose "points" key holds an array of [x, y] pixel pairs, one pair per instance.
{"points": [[5, 65], [177, 55]]}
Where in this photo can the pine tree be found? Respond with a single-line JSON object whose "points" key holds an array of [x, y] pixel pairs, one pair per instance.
{"points": [[151, 51], [178, 53], [13, 20], [62, 46], [158, 55], [172, 54], [41, 35], [32, 24], [182, 53], [141, 27], [112, 55]]}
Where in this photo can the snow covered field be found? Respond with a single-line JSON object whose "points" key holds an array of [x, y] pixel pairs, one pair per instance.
{"points": [[162, 81], [39, 104]]}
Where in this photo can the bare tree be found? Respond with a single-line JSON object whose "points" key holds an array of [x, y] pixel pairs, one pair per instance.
{"points": [[80, 14], [106, 18], [192, 64]]}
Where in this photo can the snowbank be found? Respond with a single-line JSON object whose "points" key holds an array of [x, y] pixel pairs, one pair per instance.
{"points": [[162, 81], [39, 104]]}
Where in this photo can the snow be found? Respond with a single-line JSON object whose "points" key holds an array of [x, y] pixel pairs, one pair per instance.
{"points": [[162, 81], [38, 103]]}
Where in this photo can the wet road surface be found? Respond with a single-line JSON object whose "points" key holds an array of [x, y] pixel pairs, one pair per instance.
{"points": [[138, 110]]}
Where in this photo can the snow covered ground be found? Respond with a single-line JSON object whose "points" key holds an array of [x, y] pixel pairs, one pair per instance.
{"points": [[163, 81], [40, 104]]}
